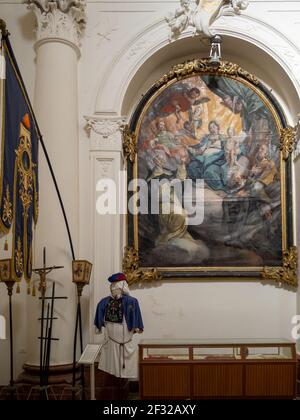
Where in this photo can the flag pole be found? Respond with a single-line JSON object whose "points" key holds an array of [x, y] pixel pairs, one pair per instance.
{"points": [[5, 36]]}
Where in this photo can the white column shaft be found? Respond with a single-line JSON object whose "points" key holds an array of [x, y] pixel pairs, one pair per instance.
{"points": [[56, 108]]}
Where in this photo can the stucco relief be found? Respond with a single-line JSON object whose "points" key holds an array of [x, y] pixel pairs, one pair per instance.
{"points": [[103, 31], [291, 57], [105, 133], [201, 14], [105, 167], [265, 35], [242, 25], [139, 46], [63, 19], [297, 148]]}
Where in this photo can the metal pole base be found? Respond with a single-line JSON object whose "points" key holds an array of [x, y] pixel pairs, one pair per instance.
{"points": [[73, 393], [11, 391], [43, 392]]}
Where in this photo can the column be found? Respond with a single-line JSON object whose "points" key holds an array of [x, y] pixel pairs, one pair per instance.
{"points": [[59, 27], [108, 231]]}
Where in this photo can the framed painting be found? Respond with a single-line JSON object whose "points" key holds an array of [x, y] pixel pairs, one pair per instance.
{"points": [[209, 178]]}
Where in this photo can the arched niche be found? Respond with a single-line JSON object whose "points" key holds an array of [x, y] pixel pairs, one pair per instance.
{"points": [[256, 46], [249, 56], [261, 50]]}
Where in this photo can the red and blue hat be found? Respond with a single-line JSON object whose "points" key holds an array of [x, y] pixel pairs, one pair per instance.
{"points": [[117, 277]]}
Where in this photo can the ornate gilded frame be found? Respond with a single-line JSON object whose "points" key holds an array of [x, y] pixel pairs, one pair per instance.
{"points": [[284, 274]]}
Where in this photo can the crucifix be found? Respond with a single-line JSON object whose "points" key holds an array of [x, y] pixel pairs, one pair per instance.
{"points": [[46, 329]]}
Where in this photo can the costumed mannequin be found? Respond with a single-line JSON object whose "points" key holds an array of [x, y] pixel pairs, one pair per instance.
{"points": [[121, 316]]}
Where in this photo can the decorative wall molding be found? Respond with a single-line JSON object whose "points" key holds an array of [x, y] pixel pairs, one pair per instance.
{"points": [[105, 167], [107, 254], [297, 134], [105, 133], [267, 37], [141, 45], [114, 84], [200, 15], [297, 151], [103, 31], [59, 19]]}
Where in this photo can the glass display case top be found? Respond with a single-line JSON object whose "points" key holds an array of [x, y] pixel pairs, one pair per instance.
{"points": [[216, 342]]}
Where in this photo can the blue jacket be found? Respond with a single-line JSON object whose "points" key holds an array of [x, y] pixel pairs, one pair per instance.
{"points": [[131, 310]]}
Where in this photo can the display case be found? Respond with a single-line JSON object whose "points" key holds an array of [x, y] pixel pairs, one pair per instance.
{"points": [[201, 369]]}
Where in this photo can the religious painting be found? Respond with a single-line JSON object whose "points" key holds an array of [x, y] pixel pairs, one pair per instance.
{"points": [[212, 140]]}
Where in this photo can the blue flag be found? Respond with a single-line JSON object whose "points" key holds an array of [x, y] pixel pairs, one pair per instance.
{"points": [[19, 166]]}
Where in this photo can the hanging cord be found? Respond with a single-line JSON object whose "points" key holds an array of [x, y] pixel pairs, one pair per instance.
{"points": [[5, 37], [33, 261], [59, 196], [123, 346]]}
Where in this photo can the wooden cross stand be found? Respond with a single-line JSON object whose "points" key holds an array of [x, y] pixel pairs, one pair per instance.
{"points": [[46, 326]]}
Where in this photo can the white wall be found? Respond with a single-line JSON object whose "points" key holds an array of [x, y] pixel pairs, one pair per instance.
{"points": [[216, 310], [170, 309], [113, 43]]}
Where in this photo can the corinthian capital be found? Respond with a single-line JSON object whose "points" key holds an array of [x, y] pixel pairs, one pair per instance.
{"points": [[105, 133], [59, 19]]}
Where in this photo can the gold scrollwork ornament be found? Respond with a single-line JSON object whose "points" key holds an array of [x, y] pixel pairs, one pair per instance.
{"points": [[288, 272], [36, 207], [188, 68], [19, 257], [25, 168], [7, 208], [129, 144], [287, 141], [132, 271]]}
